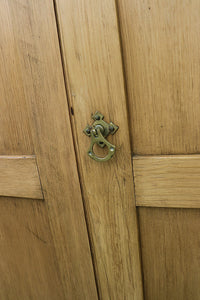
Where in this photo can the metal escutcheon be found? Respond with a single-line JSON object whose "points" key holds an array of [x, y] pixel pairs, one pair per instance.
{"points": [[98, 132]]}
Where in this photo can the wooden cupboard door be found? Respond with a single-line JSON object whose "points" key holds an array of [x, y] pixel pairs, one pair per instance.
{"points": [[90, 46], [44, 245], [160, 45]]}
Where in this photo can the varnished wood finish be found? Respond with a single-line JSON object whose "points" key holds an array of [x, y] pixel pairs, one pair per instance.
{"points": [[161, 48], [19, 177], [167, 181], [170, 240], [93, 69], [44, 247]]}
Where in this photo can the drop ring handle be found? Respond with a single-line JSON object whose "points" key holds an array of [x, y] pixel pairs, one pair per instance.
{"points": [[98, 133], [97, 138]]}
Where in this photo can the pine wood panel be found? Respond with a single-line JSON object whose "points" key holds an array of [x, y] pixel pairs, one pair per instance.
{"points": [[15, 134], [45, 252], [19, 177], [161, 49], [170, 240], [167, 181], [28, 268], [93, 69]]}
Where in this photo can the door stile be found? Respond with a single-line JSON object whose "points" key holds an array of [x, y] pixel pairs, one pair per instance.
{"points": [[74, 138], [47, 112], [90, 46]]}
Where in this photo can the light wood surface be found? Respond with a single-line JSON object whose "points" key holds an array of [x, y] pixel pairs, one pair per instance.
{"points": [[167, 181], [28, 268], [28, 265], [93, 69], [19, 177], [44, 247], [170, 240], [15, 134], [161, 49]]}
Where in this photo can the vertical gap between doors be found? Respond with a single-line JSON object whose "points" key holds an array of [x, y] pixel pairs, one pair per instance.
{"points": [[73, 129]]}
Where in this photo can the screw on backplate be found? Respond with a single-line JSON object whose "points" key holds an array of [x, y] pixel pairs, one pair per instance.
{"points": [[111, 128], [97, 117], [88, 131], [94, 132]]}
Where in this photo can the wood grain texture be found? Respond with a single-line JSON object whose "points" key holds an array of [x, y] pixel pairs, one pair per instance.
{"points": [[28, 268], [170, 240], [19, 177], [161, 52], [93, 69], [45, 251], [15, 134], [28, 265], [167, 181]]}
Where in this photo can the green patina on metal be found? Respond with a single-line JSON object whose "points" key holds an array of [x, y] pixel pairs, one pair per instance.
{"points": [[98, 132]]}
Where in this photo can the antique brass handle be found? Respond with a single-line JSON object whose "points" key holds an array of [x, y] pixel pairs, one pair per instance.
{"points": [[98, 132]]}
